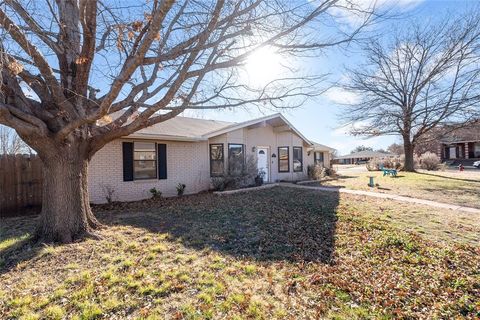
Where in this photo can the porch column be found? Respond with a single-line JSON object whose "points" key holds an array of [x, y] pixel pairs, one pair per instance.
{"points": [[466, 151]]}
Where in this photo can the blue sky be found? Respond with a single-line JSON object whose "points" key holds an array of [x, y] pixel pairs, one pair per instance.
{"points": [[317, 119]]}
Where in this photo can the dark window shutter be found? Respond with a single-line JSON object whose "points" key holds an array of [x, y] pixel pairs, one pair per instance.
{"points": [[127, 151], [162, 161]]}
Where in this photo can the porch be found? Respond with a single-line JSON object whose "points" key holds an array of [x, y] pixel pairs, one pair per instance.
{"points": [[460, 150]]}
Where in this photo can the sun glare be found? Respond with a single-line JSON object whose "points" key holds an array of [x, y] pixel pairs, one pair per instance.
{"points": [[263, 66]]}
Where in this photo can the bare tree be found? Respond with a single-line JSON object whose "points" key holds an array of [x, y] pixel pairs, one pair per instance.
{"points": [[422, 77], [10, 142], [395, 148], [77, 74], [361, 148]]}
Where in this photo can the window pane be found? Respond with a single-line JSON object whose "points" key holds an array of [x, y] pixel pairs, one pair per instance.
{"points": [[297, 159], [144, 151], [217, 167], [145, 169], [318, 158], [216, 152], [476, 150], [236, 158], [216, 159], [283, 159], [144, 155]]}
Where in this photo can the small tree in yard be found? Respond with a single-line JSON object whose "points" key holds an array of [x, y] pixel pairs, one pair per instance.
{"points": [[77, 74], [423, 77]]}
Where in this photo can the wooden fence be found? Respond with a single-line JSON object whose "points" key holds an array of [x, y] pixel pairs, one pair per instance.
{"points": [[20, 184]]}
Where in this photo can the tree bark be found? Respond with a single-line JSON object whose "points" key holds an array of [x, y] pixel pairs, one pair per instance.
{"points": [[66, 214], [408, 149]]}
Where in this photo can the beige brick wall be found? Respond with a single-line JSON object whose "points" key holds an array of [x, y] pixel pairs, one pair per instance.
{"points": [[265, 136], [187, 162]]}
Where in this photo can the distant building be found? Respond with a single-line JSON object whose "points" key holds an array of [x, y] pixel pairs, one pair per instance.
{"points": [[361, 157], [460, 144]]}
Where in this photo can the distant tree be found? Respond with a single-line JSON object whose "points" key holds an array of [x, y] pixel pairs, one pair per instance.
{"points": [[420, 78], [10, 142], [395, 148], [361, 148]]}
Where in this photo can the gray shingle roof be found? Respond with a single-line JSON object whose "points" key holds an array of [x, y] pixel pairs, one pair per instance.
{"points": [[189, 128]]}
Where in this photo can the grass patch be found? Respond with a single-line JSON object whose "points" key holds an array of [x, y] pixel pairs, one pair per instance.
{"points": [[442, 187], [280, 253]]}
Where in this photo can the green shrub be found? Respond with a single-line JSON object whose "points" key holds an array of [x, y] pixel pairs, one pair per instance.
{"points": [[155, 193], [181, 189]]}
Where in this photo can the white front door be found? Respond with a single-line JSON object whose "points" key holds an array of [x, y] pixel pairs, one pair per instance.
{"points": [[453, 153], [262, 162]]}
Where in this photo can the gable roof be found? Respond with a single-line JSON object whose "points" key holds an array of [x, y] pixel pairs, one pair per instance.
{"points": [[193, 129], [273, 119]]}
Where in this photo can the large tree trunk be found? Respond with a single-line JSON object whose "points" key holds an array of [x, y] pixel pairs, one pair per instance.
{"points": [[408, 147], [66, 213]]}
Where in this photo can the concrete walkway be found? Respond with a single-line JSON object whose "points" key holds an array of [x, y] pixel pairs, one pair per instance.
{"points": [[384, 196]]}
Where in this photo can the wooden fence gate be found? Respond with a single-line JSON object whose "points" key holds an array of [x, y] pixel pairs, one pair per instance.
{"points": [[20, 184]]}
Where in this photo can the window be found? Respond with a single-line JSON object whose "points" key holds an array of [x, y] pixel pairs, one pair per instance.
{"points": [[476, 150], [236, 158], [217, 162], [144, 160], [318, 158], [283, 159], [297, 159]]}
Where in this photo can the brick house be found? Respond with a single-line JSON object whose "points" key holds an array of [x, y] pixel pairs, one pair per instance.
{"points": [[192, 151], [461, 144]]}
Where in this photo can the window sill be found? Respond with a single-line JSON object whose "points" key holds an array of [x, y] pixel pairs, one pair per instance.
{"points": [[146, 180]]}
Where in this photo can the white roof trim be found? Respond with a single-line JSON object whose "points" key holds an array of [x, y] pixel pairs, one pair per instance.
{"points": [[163, 137], [255, 121]]}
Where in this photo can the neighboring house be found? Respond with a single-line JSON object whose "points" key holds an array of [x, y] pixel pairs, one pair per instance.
{"points": [[192, 151], [361, 157], [460, 144]]}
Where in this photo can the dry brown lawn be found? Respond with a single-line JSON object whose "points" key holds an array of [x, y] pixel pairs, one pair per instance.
{"points": [[449, 187], [280, 253]]}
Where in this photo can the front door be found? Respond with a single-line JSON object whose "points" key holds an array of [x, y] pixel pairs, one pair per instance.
{"points": [[262, 162], [453, 152]]}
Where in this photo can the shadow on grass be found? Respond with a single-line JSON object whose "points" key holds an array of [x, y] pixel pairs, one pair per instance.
{"points": [[16, 244], [268, 225], [383, 188], [449, 178], [346, 177]]}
